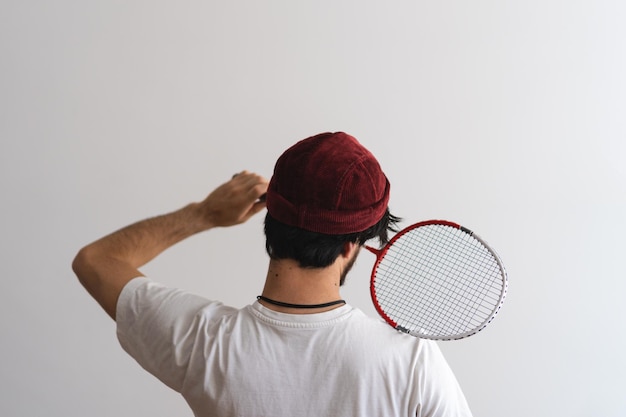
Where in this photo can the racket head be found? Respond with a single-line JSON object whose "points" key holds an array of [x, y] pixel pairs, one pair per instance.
{"points": [[438, 280]]}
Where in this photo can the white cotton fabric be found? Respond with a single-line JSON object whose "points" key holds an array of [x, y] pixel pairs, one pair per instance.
{"points": [[258, 362]]}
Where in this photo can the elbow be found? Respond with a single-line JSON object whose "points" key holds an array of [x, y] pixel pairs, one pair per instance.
{"points": [[82, 264]]}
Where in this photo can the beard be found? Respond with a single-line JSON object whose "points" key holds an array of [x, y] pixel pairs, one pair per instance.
{"points": [[344, 273]]}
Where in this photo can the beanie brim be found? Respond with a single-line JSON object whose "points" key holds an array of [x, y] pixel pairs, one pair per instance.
{"points": [[320, 220]]}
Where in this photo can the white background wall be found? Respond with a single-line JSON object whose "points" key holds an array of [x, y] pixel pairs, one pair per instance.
{"points": [[507, 117]]}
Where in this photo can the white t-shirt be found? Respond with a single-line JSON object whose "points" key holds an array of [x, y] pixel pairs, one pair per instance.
{"points": [[256, 362]]}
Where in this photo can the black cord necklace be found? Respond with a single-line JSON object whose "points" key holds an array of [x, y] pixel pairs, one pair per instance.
{"points": [[281, 304]]}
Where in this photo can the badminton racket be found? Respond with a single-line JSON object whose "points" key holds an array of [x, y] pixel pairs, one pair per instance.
{"points": [[437, 280]]}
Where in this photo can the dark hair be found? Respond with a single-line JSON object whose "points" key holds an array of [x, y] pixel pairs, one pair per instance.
{"points": [[319, 250]]}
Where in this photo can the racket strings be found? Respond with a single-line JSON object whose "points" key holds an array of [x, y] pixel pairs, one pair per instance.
{"points": [[438, 280]]}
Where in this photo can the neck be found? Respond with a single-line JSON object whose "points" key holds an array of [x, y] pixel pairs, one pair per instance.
{"points": [[288, 283]]}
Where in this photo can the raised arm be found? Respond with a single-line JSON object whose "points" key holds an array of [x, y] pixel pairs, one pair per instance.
{"points": [[106, 265]]}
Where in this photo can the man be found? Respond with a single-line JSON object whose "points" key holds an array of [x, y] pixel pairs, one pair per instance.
{"points": [[299, 350]]}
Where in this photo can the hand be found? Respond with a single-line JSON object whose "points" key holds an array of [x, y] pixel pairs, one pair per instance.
{"points": [[235, 201]]}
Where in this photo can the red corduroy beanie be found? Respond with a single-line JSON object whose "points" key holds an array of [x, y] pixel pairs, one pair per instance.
{"points": [[328, 183]]}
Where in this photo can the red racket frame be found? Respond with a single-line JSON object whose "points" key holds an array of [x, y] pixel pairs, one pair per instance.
{"points": [[380, 254]]}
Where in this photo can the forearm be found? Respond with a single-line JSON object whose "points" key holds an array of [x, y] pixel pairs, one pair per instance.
{"points": [[140, 242], [106, 265]]}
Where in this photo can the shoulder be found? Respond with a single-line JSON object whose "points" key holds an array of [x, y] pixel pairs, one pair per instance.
{"points": [[377, 338], [417, 363], [144, 300]]}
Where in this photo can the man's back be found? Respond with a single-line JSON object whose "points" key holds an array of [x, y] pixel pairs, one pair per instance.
{"points": [[327, 197], [259, 362]]}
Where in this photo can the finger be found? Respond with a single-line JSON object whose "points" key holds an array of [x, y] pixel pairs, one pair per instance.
{"points": [[244, 172], [248, 180], [256, 207], [256, 186]]}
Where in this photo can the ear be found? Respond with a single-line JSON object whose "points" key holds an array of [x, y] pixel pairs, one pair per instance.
{"points": [[349, 249]]}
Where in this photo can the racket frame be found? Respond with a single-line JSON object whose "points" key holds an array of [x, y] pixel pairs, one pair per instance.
{"points": [[380, 254]]}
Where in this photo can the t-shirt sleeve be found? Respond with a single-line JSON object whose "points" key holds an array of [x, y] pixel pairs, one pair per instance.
{"points": [[440, 391], [158, 326]]}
